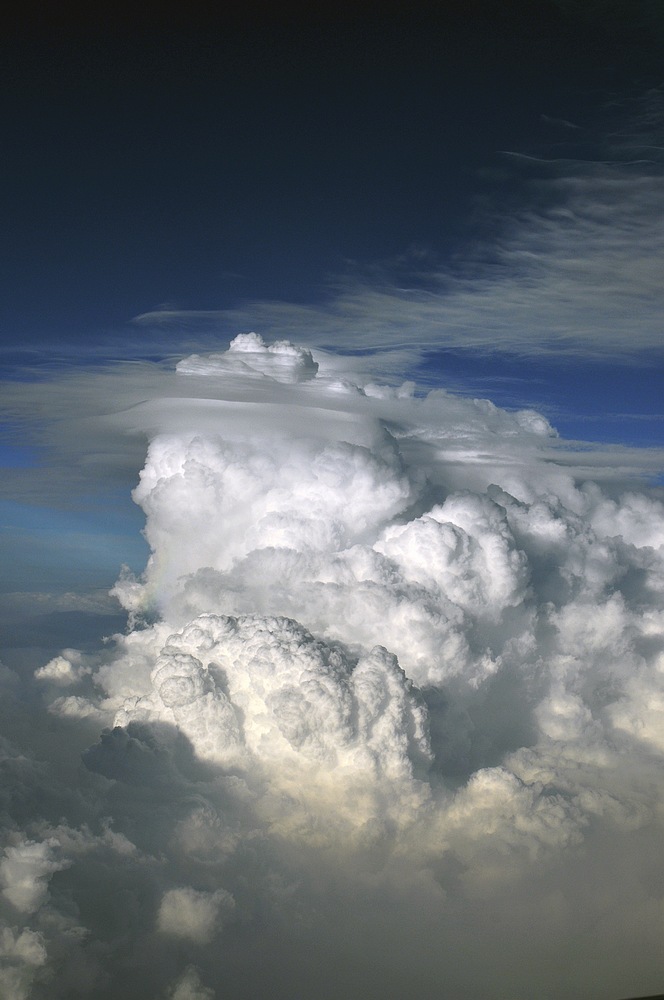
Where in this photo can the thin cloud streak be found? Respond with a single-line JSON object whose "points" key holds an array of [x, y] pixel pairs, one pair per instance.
{"points": [[90, 427], [576, 274]]}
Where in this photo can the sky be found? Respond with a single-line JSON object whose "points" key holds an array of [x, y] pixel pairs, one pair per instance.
{"points": [[331, 508]]}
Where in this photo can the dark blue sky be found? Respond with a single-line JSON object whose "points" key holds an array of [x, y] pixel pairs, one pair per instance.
{"points": [[208, 161], [474, 184]]}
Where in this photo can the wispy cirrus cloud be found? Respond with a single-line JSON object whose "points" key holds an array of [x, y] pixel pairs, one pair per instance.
{"points": [[574, 268]]}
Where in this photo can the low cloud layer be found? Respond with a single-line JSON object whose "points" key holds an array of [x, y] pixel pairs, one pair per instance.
{"points": [[386, 722]]}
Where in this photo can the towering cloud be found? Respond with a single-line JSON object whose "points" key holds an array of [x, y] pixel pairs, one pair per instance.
{"points": [[387, 720]]}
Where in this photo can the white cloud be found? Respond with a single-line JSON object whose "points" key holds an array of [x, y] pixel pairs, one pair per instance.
{"points": [[186, 913], [24, 873], [578, 274], [21, 953], [190, 987], [249, 355], [392, 692], [62, 670]]}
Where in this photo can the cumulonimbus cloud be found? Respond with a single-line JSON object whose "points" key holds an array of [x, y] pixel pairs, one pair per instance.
{"points": [[391, 693]]}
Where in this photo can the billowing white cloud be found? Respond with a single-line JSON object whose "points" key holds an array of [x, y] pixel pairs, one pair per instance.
{"points": [[249, 355], [186, 913], [391, 693], [21, 953], [24, 873], [189, 987]]}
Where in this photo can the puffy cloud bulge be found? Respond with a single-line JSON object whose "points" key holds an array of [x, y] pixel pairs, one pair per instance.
{"points": [[388, 716]]}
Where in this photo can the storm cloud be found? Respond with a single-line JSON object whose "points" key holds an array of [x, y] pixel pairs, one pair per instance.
{"points": [[387, 718]]}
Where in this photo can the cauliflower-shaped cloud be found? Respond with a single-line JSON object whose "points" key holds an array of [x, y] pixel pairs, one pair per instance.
{"points": [[248, 354]]}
